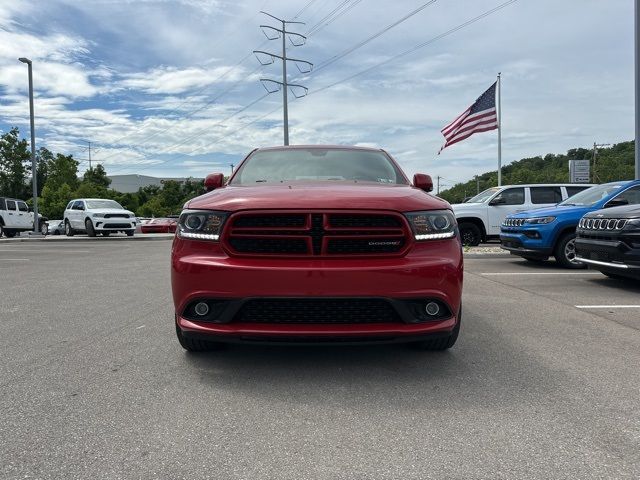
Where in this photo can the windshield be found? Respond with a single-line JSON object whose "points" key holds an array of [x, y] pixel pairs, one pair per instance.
{"points": [[483, 196], [103, 204], [314, 164], [593, 195]]}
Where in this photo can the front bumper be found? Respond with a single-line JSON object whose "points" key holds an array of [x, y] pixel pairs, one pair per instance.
{"points": [[113, 224], [430, 270], [517, 242], [613, 256]]}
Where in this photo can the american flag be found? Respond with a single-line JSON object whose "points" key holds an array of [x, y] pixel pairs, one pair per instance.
{"points": [[479, 117]]}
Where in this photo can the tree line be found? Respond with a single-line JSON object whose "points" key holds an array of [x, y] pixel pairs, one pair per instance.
{"points": [[613, 163], [58, 182]]}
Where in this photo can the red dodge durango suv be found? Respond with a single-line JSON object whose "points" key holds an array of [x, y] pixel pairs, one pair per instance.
{"points": [[311, 244]]}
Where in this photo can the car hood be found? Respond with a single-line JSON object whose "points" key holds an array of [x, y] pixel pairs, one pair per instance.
{"points": [[402, 198], [457, 207], [568, 210], [625, 211], [110, 210]]}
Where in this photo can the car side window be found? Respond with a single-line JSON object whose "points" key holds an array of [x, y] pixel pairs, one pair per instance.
{"points": [[23, 207], [70, 205], [571, 191], [631, 195], [11, 205], [511, 196], [77, 205], [546, 195], [2, 204]]}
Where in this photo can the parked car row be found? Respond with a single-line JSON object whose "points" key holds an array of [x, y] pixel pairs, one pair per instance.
{"points": [[598, 227]]}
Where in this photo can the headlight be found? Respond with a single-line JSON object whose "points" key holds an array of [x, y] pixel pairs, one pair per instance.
{"points": [[98, 215], [432, 225], [201, 224], [539, 220]]}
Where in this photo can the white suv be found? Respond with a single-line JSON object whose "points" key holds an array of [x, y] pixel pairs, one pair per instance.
{"points": [[15, 217], [96, 215], [480, 217]]}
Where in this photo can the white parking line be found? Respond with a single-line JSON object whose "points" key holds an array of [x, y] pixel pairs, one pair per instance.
{"points": [[15, 260], [488, 274], [12, 250], [607, 306]]}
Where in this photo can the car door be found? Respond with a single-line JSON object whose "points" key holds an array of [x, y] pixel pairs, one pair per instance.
{"points": [[510, 200], [24, 216], [12, 220], [76, 216]]}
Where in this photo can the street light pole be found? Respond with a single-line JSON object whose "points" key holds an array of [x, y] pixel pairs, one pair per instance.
{"points": [[34, 173], [637, 86]]}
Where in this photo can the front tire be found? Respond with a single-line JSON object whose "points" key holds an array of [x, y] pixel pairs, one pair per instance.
{"points": [[129, 233], [88, 225], [44, 229], [68, 229], [470, 234], [106, 234], [565, 252], [196, 345]]}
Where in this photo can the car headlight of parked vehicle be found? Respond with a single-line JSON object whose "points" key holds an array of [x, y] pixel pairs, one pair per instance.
{"points": [[432, 225], [539, 220], [201, 224]]}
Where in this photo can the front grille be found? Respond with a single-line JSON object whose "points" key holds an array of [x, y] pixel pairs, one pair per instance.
{"points": [[116, 215], [322, 311], [316, 233], [513, 222], [602, 223], [117, 225]]}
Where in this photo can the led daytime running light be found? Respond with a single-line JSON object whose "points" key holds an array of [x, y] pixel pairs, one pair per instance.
{"points": [[199, 236], [435, 236]]}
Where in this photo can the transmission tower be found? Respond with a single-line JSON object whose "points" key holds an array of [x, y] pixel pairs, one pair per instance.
{"points": [[267, 58]]}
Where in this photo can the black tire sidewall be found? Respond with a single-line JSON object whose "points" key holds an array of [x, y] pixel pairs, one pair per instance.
{"points": [[470, 227], [559, 252]]}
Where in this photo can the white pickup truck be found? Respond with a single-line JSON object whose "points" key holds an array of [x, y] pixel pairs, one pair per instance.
{"points": [[479, 218], [15, 217]]}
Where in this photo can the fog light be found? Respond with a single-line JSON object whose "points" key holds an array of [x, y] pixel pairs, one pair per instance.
{"points": [[432, 309], [201, 309]]}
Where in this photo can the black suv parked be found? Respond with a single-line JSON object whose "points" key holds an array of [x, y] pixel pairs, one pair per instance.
{"points": [[609, 241]]}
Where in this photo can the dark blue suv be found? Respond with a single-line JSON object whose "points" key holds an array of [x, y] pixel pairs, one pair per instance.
{"points": [[538, 234]]}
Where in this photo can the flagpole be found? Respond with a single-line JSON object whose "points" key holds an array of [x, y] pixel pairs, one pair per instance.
{"points": [[499, 135]]}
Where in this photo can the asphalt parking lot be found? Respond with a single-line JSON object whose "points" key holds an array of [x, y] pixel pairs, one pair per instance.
{"points": [[543, 382]]}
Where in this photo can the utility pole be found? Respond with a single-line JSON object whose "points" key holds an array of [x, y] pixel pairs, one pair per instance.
{"points": [[438, 185], [232, 166], [477, 184], [284, 85], [594, 174], [637, 86], [34, 173]]}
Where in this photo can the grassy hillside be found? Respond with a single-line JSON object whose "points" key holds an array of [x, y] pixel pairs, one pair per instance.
{"points": [[613, 163]]}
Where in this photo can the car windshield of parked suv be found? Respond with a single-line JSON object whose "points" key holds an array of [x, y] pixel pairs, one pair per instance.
{"points": [[592, 195], [103, 204], [277, 166], [483, 196]]}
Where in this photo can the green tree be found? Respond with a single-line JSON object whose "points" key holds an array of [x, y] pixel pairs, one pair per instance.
{"points": [[54, 200], [97, 176], [63, 169], [14, 165], [44, 159]]}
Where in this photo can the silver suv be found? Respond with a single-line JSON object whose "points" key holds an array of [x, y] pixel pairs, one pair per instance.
{"points": [[96, 215]]}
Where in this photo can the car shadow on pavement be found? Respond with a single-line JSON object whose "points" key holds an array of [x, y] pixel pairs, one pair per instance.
{"points": [[479, 368], [630, 285]]}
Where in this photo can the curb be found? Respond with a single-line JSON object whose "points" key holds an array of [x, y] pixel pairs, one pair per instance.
{"points": [[63, 239]]}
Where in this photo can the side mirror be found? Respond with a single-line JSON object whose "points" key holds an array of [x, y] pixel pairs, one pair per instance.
{"points": [[616, 202], [213, 181], [423, 182], [498, 201]]}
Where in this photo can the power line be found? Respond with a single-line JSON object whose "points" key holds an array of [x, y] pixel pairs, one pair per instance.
{"points": [[346, 52], [415, 48], [199, 131]]}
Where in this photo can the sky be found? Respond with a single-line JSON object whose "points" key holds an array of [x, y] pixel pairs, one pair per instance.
{"points": [[171, 87]]}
